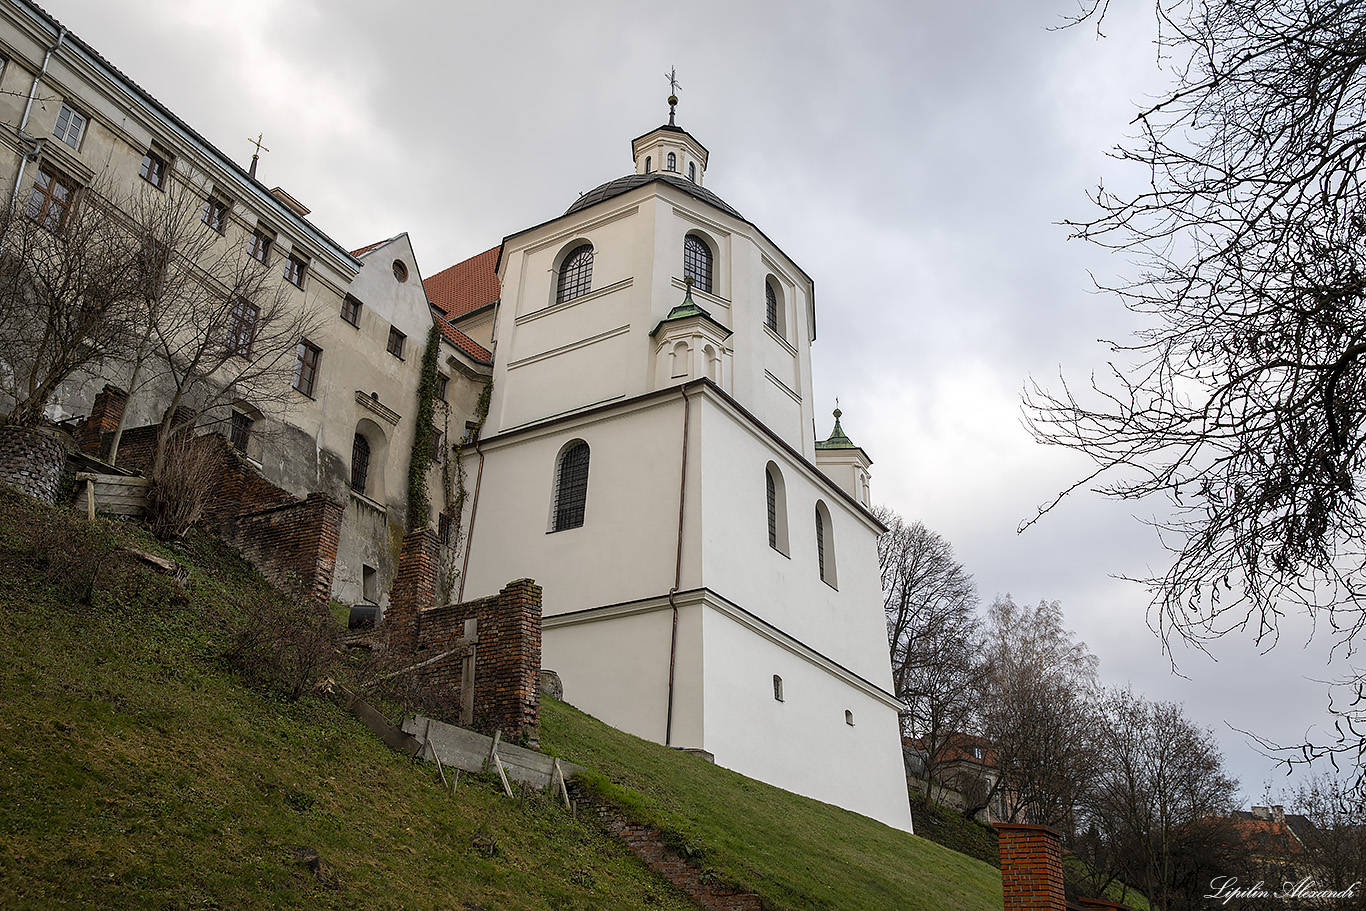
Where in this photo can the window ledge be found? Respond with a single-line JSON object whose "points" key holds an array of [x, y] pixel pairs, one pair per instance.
{"points": [[373, 504], [780, 340]]}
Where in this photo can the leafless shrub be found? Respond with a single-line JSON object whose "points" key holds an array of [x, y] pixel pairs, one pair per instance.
{"points": [[283, 642], [183, 477]]}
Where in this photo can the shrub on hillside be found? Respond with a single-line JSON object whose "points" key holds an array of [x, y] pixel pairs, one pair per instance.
{"points": [[283, 642]]}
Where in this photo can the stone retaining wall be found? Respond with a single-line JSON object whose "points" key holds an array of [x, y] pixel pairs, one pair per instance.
{"points": [[32, 461]]}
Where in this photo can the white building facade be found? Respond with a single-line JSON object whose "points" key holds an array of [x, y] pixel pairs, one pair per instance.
{"points": [[649, 459]]}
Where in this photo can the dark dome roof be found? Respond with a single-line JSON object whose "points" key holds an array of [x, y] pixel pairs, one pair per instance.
{"points": [[631, 181]]}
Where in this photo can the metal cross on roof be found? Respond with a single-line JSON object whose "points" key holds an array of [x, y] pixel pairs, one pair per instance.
{"points": [[257, 154], [673, 92]]}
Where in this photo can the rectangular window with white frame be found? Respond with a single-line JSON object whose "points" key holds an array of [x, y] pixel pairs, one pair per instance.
{"points": [[71, 126]]}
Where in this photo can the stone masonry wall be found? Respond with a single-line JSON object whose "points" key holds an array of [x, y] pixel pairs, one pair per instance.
{"points": [[32, 461], [646, 843], [1031, 868]]}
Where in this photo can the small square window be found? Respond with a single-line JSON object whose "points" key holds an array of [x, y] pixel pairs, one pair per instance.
{"points": [[70, 126], [396, 340], [215, 215], [471, 433], [443, 383], [153, 170], [294, 271], [259, 246], [306, 367], [351, 310]]}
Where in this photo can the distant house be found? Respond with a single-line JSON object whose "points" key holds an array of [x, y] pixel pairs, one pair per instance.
{"points": [[964, 772]]}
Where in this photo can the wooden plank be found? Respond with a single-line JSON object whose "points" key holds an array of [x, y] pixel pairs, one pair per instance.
{"points": [[90, 499]]}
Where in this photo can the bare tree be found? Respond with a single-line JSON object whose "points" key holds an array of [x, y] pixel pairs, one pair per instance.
{"points": [[1243, 401], [1035, 706], [221, 325], [930, 603], [1154, 814], [1331, 825], [67, 293]]}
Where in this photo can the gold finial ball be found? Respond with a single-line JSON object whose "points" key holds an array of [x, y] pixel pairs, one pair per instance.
{"points": [[673, 99], [838, 413]]}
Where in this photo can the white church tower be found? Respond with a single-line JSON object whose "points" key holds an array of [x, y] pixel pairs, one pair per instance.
{"points": [[709, 571]]}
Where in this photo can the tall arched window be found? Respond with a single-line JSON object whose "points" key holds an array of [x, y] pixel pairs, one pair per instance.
{"points": [[360, 463], [672, 162], [571, 486], [770, 306], [777, 508], [825, 545], [692, 172], [647, 164], [697, 262], [576, 274]]}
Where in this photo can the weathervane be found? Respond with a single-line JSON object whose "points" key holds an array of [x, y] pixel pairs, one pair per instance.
{"points": [[673, 92]]}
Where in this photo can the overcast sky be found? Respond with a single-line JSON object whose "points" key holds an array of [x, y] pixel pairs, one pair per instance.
{"points": [[913, 157]]}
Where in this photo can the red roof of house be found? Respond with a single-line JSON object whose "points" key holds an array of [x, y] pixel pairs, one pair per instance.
{"points": [[462, 341], [1266, 836], [465, 286], [959, 747], [368, 247]]}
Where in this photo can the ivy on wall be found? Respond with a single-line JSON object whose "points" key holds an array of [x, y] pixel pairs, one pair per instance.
{"points": [[453, 486], [425, 436]]}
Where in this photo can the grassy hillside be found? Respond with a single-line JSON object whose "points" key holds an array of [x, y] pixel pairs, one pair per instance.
{"points": [[137, 770]]}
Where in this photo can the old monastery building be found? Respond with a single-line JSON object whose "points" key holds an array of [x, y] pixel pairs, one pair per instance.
{"points": [[647, 454]]}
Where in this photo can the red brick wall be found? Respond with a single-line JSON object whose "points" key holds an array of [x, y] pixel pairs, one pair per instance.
{"points": [[294, 543], [104, 417], [291, 541], [1031, 868], [646, 843], [508, 658]]}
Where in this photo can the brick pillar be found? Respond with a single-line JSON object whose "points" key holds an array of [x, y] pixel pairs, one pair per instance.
{"points": [[1031, 867], [104, 417], [413, 589], [318, 539], [516, 691]]}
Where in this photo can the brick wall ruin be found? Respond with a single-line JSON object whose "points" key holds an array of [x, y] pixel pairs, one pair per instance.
{"points": [[508, 655], [291, 541]]}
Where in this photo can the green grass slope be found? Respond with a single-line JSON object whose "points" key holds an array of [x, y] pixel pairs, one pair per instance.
{"points": [[796, 853], [137, 770]]}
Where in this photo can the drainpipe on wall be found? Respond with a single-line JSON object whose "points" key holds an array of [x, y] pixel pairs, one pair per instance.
{"points": [[678, 572], [23, 121], [474, 512]]}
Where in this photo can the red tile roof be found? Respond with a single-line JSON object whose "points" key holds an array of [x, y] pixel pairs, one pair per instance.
{"points": [[462, 341], [465, 286], [368, 247]]}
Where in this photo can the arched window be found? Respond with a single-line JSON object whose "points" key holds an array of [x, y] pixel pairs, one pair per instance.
{"points": [[770, 306], [776, 492], [692, 172], [697, 262], [672, 162], [571, 487], [576, 274], [647, 164], [360, 463], [825, 544], [777, 688]]}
